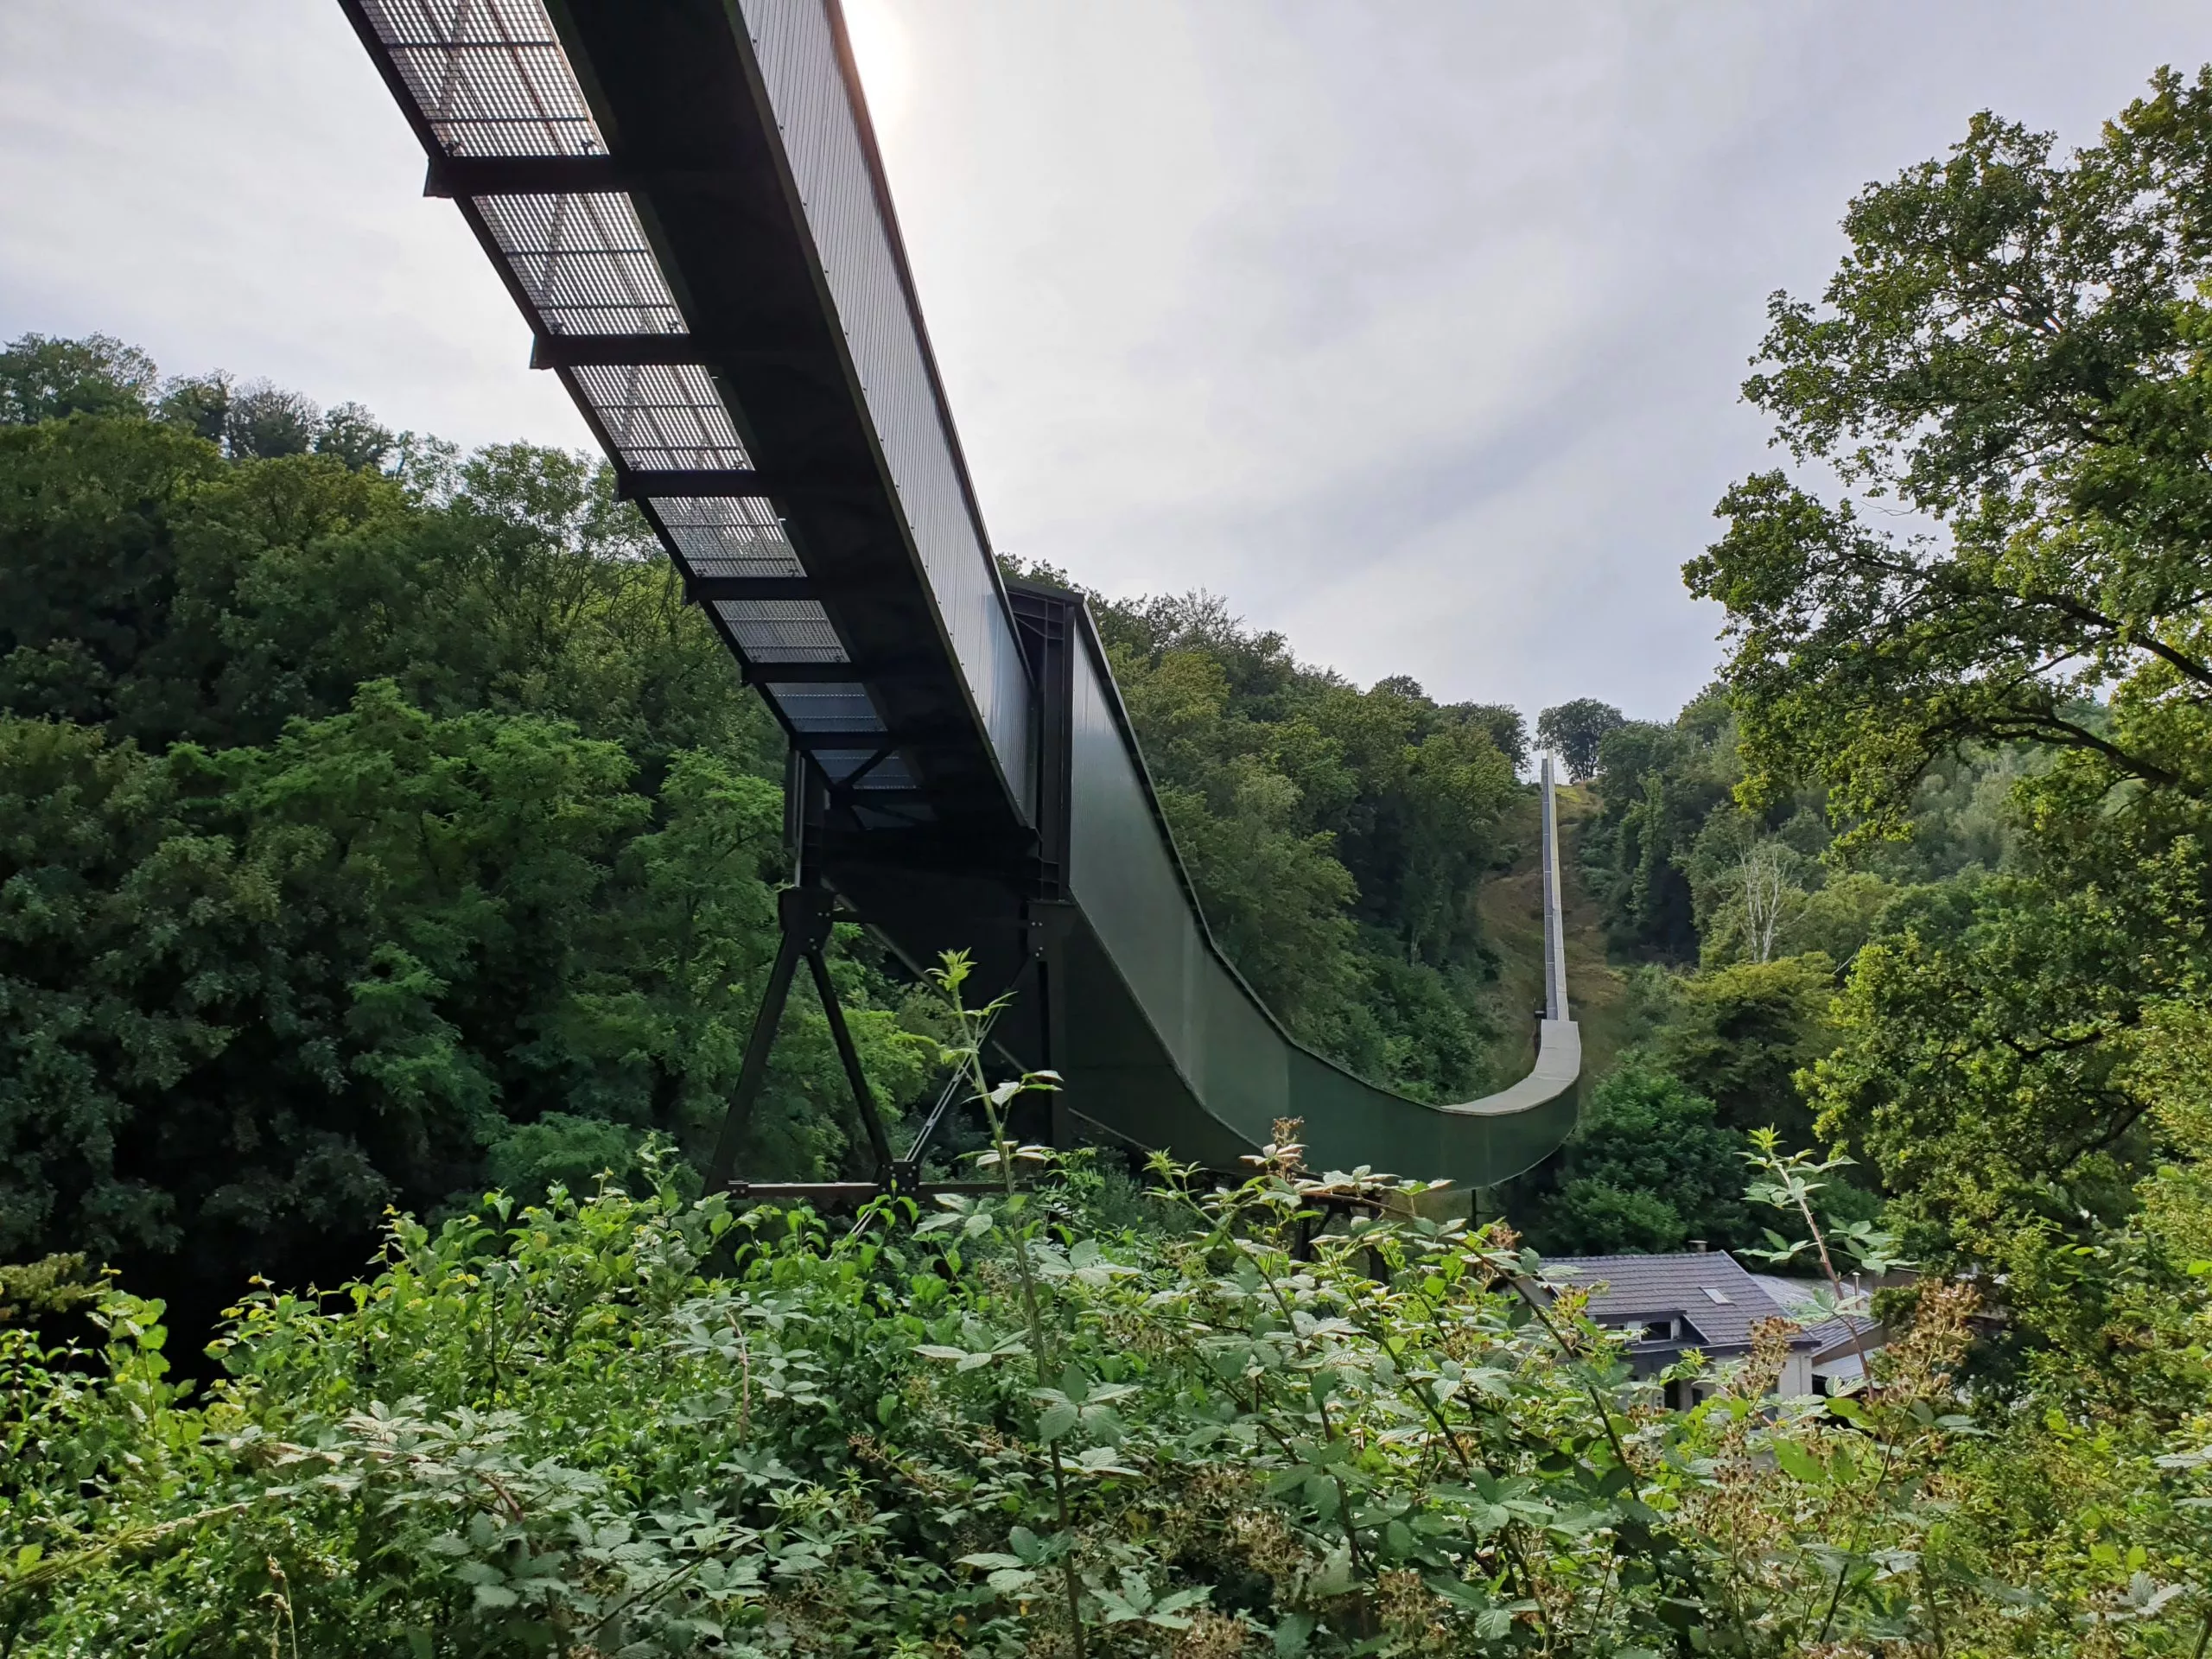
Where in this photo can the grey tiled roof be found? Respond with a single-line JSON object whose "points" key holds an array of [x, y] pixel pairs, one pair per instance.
{"points": [[1798, 1297], [1657, 1286]]}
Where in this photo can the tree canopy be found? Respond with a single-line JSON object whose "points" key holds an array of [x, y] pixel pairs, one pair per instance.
{"points": [[1574, 730], [2013, 352], [376, 822], [354, 843]]}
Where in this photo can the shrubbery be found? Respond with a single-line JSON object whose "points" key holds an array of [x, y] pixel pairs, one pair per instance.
{"points": [[646, 1426]]}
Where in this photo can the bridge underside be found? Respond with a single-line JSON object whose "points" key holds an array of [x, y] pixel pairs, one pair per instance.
{"points": [[650, 230], [686, 200]]}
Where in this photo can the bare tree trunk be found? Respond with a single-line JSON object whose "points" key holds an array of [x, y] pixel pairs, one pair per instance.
{"points": [[1765, 889]]}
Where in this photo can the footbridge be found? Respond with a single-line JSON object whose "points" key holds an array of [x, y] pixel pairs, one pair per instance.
{"points": [[686, 202]]}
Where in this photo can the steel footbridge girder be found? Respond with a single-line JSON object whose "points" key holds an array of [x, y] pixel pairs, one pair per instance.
{"points": [[686, 200]]}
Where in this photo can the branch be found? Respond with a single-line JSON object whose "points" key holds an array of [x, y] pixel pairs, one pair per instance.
{"points": [[2126, 1120], [2062, 1045], [2066, 734], [2187, 666]]}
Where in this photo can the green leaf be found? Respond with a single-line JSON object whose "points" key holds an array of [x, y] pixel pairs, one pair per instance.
{"points": [[1334, 1577], [1466, 1597], [1056, 1420], [1321, 1493], [1118, 1609], [1799, 1464], [1102, 1460]]}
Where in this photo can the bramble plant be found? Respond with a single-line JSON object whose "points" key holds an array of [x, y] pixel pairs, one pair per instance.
{"points": [[554, 1430]]}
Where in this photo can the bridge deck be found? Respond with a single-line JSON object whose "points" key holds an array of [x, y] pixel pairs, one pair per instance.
{"points": [[686, 202]]}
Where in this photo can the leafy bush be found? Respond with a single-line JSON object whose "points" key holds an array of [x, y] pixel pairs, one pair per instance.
{"points": [[1649, 1168], [651, 1427]]}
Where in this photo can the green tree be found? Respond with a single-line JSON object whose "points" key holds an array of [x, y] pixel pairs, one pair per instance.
{"points": [[263, 422], [200, 404], [147, 586], [353, 435], [1649, 1167], [88, 557], [1508, 731], [1573, 730], [43, 378], [1657, 785], [248, 996], [1982, 1062], [2016, 349], [1738, 1035]]}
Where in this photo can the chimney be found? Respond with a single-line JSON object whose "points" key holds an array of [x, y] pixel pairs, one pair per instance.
{"points": [[1698, 1245]]}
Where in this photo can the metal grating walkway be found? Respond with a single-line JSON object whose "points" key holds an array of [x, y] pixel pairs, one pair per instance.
{"points": [[684, 200]]}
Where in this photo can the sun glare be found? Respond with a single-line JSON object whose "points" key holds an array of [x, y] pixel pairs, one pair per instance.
{"points": [[879, 36]]}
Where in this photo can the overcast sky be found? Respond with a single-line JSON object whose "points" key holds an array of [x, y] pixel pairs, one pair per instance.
{"points": [[1411, 327]]}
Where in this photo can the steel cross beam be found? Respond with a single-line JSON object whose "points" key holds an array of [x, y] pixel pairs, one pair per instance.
{"points": [[805, 912]]}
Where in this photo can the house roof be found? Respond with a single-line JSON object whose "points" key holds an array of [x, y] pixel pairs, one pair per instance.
{"points": [[1801, 1298], [1709, 1290]]}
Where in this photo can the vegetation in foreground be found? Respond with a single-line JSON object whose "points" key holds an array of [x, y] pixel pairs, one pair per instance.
{"points": [[374, 822], [1013, 1430]]}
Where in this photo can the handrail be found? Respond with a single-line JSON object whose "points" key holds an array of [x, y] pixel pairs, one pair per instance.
{"points": [[811, 489], [1554, 924]]}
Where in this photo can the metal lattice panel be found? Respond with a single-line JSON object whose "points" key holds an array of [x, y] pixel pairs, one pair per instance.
{"points": [[662, 416], [831, 165], [827, 709], [489, 76], [886, 773], [781, 630], [727, 536], [583, 260]]}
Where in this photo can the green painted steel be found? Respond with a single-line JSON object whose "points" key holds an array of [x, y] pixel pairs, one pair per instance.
{"points": [[686, 201], [1212, 1070]]}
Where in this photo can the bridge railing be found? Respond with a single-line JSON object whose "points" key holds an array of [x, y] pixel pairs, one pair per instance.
{"points": [[1235, 1061], [812, 85]]}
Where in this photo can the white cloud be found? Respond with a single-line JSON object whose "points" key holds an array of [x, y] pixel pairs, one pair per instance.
{"points": [[1412, 328]]}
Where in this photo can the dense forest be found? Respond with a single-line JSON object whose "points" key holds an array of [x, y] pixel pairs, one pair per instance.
{"points": [[376, 826]]}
